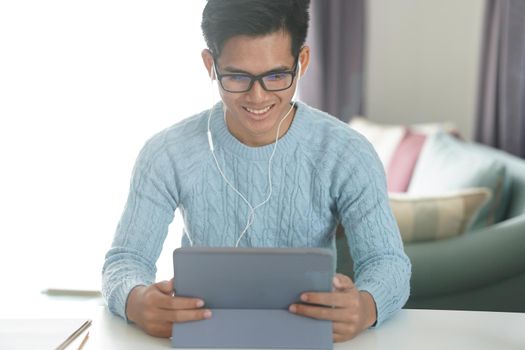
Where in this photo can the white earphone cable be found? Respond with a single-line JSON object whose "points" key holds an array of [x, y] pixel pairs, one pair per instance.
{"points": [[251, 216], [252, 212]]}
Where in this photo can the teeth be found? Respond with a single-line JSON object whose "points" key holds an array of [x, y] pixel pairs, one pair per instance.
{"points": [[258, 111]]}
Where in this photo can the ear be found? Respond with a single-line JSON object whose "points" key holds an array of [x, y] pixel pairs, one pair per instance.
{"points": [[207, 59], [304, 59]]}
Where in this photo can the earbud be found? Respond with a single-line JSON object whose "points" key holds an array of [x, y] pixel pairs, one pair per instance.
{"points": [[210, 139], [213, 74], [298, 70]]}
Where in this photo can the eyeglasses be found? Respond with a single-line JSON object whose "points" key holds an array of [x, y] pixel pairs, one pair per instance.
{"points": [[270, 81]]}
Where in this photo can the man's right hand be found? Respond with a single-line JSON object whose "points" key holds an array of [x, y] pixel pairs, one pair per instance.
{"points": [[155, 308]]}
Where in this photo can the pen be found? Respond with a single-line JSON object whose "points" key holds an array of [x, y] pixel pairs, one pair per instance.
{"points": [[71, 292]]}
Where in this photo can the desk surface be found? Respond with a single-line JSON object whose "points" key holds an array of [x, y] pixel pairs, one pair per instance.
{"points": [[409, 329]]}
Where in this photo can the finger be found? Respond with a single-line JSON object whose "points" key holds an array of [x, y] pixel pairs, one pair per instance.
{"points": [[165, 329], [159, 329], [319, 312], [344, 328], [179, 303], [166, 287], [339, 338], [335, 299], [185, 315], [342, 282]]}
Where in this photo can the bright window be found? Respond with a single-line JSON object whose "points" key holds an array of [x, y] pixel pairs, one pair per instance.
{"points": [[83, 85]]}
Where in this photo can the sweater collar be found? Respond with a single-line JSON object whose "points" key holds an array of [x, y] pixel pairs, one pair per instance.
{"points": [[225, 141]]}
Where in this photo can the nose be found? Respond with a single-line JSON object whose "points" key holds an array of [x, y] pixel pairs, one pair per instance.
{"points": [[257, 92]]}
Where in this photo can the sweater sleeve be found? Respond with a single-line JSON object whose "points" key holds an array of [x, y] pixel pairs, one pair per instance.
{"points": [[143, 227], [381, 266]]}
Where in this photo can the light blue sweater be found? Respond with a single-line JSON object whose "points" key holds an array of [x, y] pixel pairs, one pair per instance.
{"points": [[323, 173]]}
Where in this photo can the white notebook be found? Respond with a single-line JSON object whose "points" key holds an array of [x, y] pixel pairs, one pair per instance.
{"points": [[41, 333]]}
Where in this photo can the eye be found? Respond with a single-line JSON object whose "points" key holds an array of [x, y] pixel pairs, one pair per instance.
{"points": [[238, 77], [276, 76]]}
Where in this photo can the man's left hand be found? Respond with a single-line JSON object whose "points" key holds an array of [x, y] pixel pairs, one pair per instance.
{"points": [[350, 310]]}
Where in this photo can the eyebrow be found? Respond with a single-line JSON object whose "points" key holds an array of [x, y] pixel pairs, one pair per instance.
{"points": [[231, 69]]}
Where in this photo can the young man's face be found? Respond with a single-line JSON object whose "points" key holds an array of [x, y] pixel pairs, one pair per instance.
{"points": [[253, 116]]}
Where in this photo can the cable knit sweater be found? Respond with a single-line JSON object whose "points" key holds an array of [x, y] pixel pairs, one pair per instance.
{"points": [[323, 173]]}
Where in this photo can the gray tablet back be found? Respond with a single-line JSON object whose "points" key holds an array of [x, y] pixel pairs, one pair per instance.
{"points": [[249, 291]]}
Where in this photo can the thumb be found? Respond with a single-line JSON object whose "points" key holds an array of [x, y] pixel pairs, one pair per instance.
{"points": [[342, 282], [165, 287]]}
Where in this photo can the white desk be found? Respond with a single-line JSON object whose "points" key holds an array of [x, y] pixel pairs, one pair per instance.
{"points": [[409, 329]]}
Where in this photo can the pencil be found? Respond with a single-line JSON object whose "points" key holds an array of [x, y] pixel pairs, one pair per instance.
{"points": [[83, 341], [74, 335]]}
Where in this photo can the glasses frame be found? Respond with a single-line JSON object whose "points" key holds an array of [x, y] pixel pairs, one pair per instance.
{"points": [[259, 78]]}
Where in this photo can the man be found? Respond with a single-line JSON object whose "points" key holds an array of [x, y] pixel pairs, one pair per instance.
{"points": [[258, 170]]}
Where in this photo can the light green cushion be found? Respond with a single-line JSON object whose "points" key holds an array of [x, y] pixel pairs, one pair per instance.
{"points": [[447, 163]]}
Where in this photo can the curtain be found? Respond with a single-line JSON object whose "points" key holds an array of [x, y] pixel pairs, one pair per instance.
{"points": [[500, 120], [334, 81]]}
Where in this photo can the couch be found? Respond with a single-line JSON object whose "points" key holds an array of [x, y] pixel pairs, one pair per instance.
{"points": [[483, 269]]}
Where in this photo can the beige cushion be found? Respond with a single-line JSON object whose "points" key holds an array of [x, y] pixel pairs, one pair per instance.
{"points": [[433, 128], [384, 138], [425, 218]]}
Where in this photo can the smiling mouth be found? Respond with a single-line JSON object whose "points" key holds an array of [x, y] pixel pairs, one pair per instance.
{"points": [[258, 112]]}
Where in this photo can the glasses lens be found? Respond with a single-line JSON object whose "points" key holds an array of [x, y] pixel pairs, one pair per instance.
{"points": [[278, 81], [235, 83]]}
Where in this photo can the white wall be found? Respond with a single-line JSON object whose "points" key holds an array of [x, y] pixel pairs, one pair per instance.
{"points": [[423, 61], [83, 85]]}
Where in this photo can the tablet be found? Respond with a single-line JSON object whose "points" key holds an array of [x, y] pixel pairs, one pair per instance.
{"points": [[251, 278]]}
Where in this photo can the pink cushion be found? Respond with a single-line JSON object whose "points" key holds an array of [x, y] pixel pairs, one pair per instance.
{"points": [[403, 161]]}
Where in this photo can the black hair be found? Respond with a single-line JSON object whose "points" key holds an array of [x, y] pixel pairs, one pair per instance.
{"points": [[224, 19]]}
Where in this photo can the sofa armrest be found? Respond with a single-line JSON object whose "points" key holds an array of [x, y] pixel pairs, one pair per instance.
{"points": [[469, 261]]}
